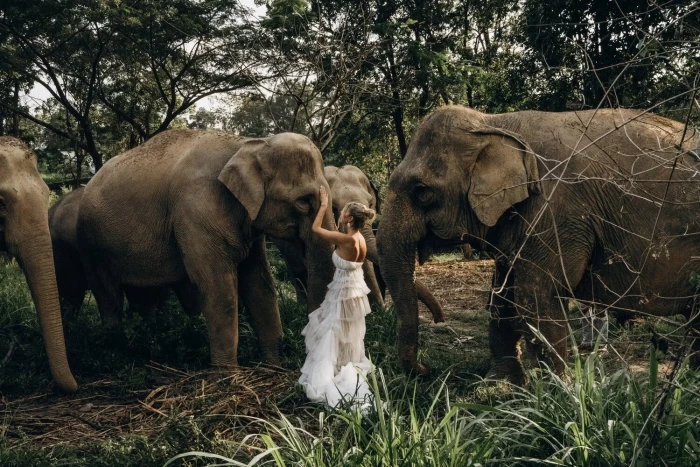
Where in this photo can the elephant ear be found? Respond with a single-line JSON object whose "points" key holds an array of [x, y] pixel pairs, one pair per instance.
{"points": [[243, 176], [505, 173], [377, 206]]}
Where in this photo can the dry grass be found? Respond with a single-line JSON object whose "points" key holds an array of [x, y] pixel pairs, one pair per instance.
{"points": [[95, 414]]}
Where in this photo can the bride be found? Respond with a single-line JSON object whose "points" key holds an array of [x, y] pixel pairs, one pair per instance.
{"points": [[336, 364]]}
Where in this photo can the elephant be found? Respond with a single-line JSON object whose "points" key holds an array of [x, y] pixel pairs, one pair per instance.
{"points": [[595, 205], [24, 235], [195, 206], [70, 273], [348, 183]]}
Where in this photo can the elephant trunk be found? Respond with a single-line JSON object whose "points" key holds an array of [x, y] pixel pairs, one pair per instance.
{"points": [[35, 256], [397, 241], [375, 293], [319, 262], [371, 241], [422, 292]]}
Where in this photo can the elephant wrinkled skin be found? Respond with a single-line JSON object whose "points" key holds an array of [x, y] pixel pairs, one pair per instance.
{"points": [[573, 204], [70, 273], [24, 234], [195, 206]]}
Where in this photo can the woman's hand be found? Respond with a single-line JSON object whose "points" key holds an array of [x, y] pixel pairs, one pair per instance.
{"points": [[334, 237]]}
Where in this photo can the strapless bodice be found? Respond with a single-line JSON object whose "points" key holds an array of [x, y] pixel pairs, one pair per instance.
{"points": [[344, 264]]}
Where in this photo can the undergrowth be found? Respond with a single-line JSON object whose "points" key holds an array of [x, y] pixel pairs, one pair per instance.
{"points": [[601, 415], [598, 418]]}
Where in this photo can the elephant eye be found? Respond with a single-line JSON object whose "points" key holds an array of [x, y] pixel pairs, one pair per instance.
{"points": [[423, 194], [303, 203]]}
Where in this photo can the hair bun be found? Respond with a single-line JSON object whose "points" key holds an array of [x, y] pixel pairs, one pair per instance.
{"points": [[359, 213]]}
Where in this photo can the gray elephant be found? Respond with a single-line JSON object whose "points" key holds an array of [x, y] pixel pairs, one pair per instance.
{"points": [[598, 205], [195, 206], [24, 235], [350, 184], [70, 273]]}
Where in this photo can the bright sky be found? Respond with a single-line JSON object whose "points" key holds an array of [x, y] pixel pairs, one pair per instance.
{"points": [[39, 94]]}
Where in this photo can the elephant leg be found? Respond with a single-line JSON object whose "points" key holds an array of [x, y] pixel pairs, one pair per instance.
{"points": [[109, 297], [218, 302], [552, 324], [260, 299], [70, 279], [292, 254], [210, 256], [505, 334], [71, 295], [188, 296], [375, 296], [505, 329], [380, 280]]}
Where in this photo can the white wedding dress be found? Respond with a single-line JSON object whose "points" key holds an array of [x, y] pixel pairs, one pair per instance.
{"points": [[336, 366]]}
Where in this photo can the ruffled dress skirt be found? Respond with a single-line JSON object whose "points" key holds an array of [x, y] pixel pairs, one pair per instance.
{"points": [[336, 366]]}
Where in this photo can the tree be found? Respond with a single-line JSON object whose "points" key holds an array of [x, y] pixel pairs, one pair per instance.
{"points": [[144, 63]]}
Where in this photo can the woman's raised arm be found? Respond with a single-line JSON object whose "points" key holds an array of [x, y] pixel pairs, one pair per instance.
{"points": [[337, 238]]}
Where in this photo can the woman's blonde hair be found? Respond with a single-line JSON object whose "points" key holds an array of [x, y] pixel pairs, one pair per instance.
{"points": [[359, 213]]}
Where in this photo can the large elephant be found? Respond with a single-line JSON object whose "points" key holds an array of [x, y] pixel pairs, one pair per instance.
{"points": [[350, 184], [596, 205], [195, 206], [24, 234]]}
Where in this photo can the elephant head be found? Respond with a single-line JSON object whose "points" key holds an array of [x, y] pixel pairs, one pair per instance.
{"points": [[24, 234], [462, 172], [277, 180]]}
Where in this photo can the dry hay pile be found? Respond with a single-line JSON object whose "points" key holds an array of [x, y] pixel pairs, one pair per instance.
{"points": [[54, 420]]}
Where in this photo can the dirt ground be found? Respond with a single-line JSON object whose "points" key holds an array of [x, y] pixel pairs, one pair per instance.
{"points": [[462, 288]]}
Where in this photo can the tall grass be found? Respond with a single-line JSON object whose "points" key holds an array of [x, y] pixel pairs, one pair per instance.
{"points": [[591, 418]]}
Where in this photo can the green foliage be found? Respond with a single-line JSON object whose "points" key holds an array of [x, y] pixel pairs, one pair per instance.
{"points": [[597, 418]]}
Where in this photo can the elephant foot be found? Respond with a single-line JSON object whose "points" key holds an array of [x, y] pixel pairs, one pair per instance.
{"points": [[224, 363], [509, 370], [272, 357]]}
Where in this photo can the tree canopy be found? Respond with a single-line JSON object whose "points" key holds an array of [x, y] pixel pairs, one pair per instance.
{"points": [[355, 76]]}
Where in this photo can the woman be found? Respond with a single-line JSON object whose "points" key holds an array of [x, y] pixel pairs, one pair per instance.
{"points": [[336, 365]]}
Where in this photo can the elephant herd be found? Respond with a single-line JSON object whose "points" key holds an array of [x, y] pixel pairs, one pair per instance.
{"points": [[600, 206]]}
